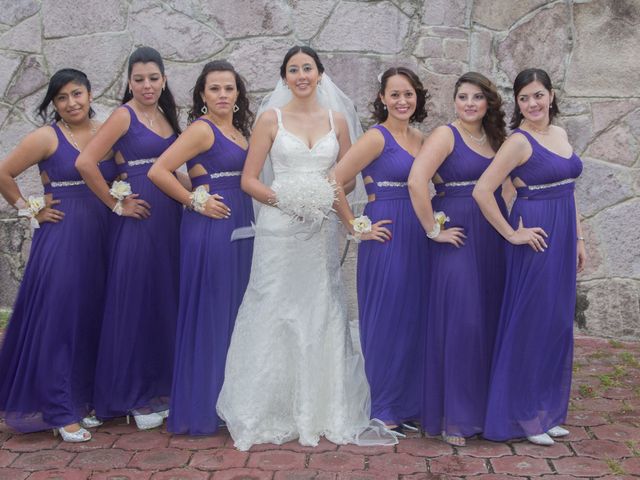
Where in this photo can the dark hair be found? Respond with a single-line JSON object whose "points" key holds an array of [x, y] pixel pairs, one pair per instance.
{"points": [[57, 81], [166, 101], [380, 113], [300, 49], [243, 118], [493, 121], [524, 78]]}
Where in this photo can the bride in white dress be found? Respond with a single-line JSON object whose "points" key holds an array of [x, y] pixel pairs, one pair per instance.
{"points": [[291, 370]]}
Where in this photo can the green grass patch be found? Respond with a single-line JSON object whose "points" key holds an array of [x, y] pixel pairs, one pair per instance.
{"points": [[608, 382], [619, 371], [633, 446], [4, 317], [629, 359], [586, 391], [616, 344], [626, 408], [598, 354], [615, 467]]}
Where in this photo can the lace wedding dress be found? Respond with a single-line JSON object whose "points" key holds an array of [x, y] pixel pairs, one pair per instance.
{"points": [[291, 371]]}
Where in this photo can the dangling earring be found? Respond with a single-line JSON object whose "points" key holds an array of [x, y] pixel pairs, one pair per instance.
{"points": [[164, 86], [384, 107], [204, 109], [319, 82], [236, 108], [130, 91]]}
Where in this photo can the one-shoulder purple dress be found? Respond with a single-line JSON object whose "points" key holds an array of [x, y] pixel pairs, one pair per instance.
{"points": [[214, 272], [135, 356], [391, 288], [465, 292], [48, 357], [531, 373]]}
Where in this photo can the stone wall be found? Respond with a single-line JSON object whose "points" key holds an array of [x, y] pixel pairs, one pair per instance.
{"points": [[589, 47]]}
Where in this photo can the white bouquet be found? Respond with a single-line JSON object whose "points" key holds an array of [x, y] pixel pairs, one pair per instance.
{"points": [[307, 198]]}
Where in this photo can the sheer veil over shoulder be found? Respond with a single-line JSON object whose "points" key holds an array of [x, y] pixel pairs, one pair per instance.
{"points": [[291, 370]]}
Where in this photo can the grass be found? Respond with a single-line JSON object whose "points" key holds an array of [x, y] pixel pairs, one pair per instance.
{"points": [[628, 359], [606, 381], [619, 371], [626, 408], [616, 344], [586, 391], [4, 317], [615, 467], [633, 446]]}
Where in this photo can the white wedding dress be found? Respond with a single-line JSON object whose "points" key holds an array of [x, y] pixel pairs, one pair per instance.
{"points": [[291, 370]]}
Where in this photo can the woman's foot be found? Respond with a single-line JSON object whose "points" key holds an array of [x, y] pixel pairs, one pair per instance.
{"points": [[557, 432], [73, 433], [147, 421], [90, 422], [455, 440], [542, 439]]}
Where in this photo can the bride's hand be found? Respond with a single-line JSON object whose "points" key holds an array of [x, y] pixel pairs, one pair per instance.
{"points": [[378, 232]]}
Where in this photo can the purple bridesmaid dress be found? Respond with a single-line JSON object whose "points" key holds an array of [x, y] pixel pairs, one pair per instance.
{"points": [[48, 358], [214, 272], [135, 356], [464, 297], [391, 288], [531, 373]]}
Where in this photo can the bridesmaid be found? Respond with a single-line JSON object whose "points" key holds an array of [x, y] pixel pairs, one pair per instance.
{"points": [[135, 356], [531, 373], [48, 357], [466, 261], [390, 274], [214, 271]]}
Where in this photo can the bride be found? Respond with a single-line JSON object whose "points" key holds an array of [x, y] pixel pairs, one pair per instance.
{"points": [[291, 370]]}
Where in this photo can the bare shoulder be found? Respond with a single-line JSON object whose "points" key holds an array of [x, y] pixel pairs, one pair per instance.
{"points": [[268, 118], [561, 132]]}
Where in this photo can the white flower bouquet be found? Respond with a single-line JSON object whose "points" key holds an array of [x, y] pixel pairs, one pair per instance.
{"points": [[307, 198]]}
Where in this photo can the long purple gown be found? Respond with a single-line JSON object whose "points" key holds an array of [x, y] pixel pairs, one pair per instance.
{"points": [[214, 272], [464, 297], [135, 355], [48, 358], [531, 373], [391, 288]]}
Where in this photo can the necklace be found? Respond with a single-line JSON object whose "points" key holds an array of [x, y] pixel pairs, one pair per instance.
{"points": [[479, 140], [232, 134], [72, 138], [541, 132], [150, 120]]}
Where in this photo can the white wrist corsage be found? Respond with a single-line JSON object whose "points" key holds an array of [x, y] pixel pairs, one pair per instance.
{"points": [[440, 219], [33, 207], [119, 190], [361, 224], [199, 198]]}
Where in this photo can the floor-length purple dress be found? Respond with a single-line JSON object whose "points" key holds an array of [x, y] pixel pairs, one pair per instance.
{"points": [[214, 272], [135, 356], [464, 297], [48, 357], [531, 373], [391, 288]]}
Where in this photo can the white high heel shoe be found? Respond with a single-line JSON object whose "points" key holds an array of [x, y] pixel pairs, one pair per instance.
{"points": [[164, 413], [558, 431], [90, 422], [147, 421], [80, 435], [542, 439]]}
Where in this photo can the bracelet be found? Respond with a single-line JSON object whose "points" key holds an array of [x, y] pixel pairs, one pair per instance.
{"points": [[198, 199], [34, 205], [117, 208], [580, 238], [435, 231]]}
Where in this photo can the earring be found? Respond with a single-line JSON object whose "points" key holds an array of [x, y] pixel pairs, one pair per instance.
{"points": [[204, 109], [164, 87], [319, 82], [130, 91], [384, 107], [236, 108]]}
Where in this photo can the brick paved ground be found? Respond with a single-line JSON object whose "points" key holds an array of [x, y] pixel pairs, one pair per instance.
{"points": [[604, 443]]}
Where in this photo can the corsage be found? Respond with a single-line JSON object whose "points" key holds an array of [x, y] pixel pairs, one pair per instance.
{"points": [[119, 190], [361, 224], [199, 198], [33, 206], [440, 219]]}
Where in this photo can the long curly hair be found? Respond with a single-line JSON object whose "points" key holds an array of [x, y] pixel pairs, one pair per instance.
{"points": [[243, 118], [493, 121], [380, 113]]}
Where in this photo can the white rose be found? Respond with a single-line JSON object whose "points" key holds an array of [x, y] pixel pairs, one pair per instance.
{"points": [[36, 204], [361, 224], [120, 190], [199, 198]]}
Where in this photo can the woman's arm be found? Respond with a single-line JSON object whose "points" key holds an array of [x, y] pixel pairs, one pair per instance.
{"points": [[99, 147], [432, 154], [514, 152], [194, 140], [259, 146]]}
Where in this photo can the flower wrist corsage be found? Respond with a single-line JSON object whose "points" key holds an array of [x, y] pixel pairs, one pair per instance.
{"points": [[440, 219], [119, 190], [199, 199], [361, 224], [33, 206]]}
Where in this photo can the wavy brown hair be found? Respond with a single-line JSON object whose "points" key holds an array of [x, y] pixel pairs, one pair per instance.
{"points": [[243, 118], [380, 113], [493, 121]]}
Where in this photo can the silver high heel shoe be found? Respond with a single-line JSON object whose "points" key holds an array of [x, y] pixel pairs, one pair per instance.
{"points": [[557, 431], [81, 435], [146, 421], [90, 422]]}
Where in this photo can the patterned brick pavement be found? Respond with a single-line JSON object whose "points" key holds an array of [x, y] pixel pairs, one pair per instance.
{"points": [[604, 443]]}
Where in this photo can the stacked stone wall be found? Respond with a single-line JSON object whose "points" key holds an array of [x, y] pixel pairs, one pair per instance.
{"points": [[589, 48]]}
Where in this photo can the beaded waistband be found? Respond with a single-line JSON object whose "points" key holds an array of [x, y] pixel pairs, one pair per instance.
{"points": [[546, 191], [141, 161], [386, 183], [542, 186], [233, 173], [67, 183]]}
